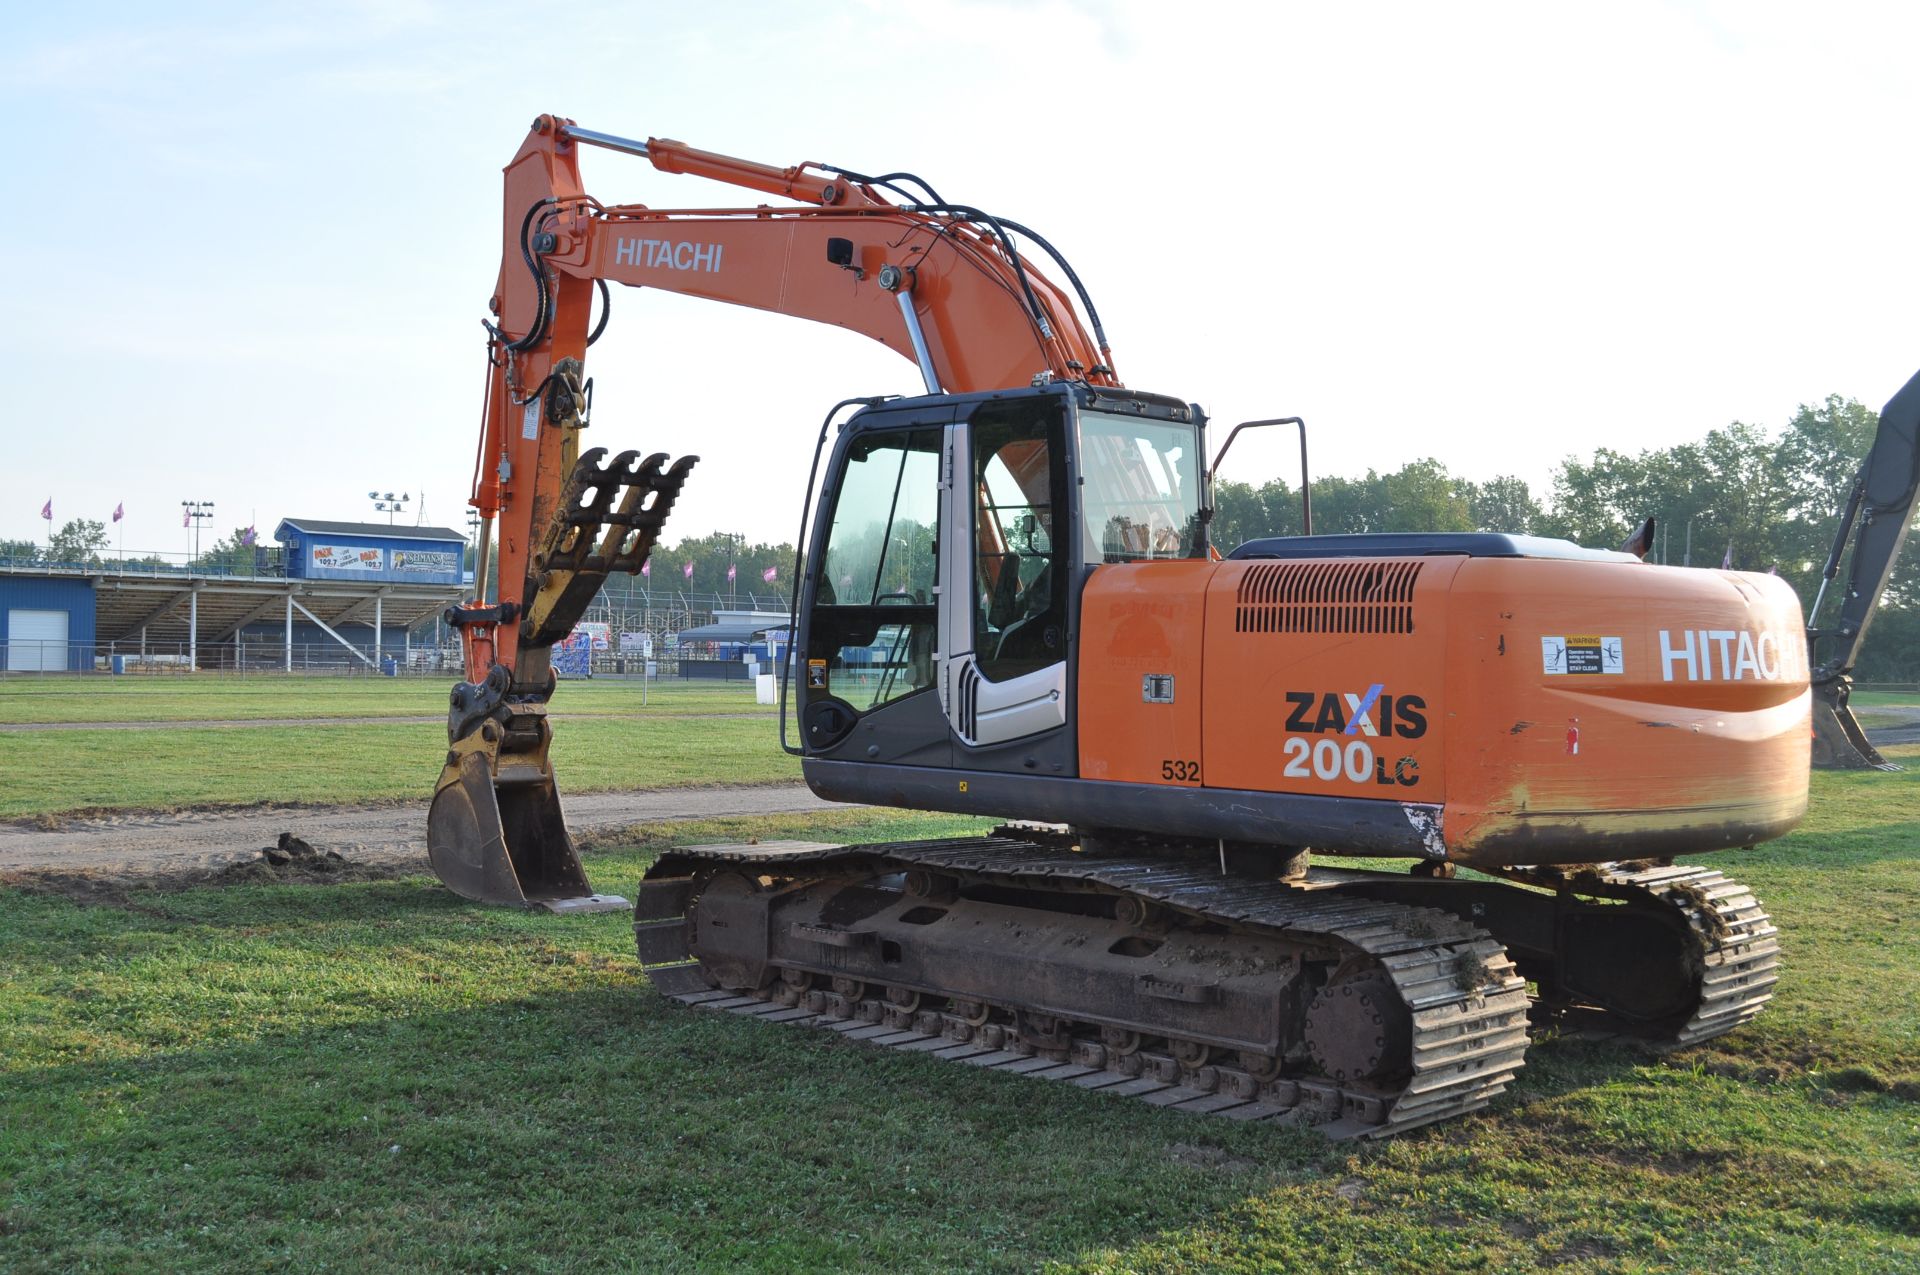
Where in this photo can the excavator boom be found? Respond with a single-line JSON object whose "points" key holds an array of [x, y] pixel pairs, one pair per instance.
{"points": [[944, 286], [1873, 524]]}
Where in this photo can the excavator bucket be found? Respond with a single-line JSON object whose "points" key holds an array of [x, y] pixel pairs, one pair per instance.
{"points": [[500, 838], [1839, 743]]}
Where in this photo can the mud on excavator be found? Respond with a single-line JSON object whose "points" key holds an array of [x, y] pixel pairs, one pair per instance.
{"points": [[1010, 606]]}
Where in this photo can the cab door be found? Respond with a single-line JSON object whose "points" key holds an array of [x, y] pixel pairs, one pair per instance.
{"points": [[1006, 583], [869, 631]]}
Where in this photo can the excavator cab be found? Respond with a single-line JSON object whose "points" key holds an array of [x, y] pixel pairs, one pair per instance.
{"points": [[940, 609]]}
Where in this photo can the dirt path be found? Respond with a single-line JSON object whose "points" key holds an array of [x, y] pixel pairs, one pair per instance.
{"points": [[137, 845], [1907, 732], [198, 842]]}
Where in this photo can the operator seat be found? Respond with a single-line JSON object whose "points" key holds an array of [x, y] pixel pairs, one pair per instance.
{"points": [[1001, 609], [1025, 638]]}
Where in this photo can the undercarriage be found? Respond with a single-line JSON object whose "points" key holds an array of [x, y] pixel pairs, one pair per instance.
{"points": [[1364, 1003]]}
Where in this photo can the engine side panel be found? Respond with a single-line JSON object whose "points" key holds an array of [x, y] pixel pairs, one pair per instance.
{"points": [[1141, 650], [1609, 711], [1328, 677]]}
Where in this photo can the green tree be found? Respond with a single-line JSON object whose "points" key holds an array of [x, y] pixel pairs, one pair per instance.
{"points": [[1503, 504], [232, 555], [19, 553], [1422, 496], [78, 543]]}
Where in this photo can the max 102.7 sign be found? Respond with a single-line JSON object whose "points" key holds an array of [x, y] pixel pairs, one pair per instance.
{"points": [[347, 558]]}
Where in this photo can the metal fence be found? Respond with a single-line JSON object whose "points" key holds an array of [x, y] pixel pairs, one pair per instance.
{"points": [[265, 658], [263, 561]]}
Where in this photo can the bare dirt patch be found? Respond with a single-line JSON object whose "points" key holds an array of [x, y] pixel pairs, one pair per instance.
{"points": [[123, 848]]}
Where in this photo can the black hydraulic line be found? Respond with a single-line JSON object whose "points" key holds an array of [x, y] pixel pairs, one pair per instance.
{"points": [[969, 212], [541, 315], [606, 311], [889, 181], [1093, 315], [1000, 226]]}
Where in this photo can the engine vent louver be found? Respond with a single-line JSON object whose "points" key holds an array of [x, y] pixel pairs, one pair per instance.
{"points": [[1327, 597], [969, 702]]}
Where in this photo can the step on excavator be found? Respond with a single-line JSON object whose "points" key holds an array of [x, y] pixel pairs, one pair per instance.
{"points": [[1010, 606]]}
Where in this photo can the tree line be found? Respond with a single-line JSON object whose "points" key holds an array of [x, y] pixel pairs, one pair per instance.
{"points": [[1742, 495]]}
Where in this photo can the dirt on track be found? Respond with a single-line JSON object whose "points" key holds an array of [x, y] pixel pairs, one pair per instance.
{"points": [[113, 850]]}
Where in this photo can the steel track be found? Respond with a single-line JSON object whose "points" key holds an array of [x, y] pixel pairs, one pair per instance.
{"points": [[1735, 961], [1467, 1006]]}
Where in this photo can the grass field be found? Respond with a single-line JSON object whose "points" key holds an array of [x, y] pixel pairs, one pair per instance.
{"points": [[174, 699], [1900, 699], [604, 740], [378, 1075]]}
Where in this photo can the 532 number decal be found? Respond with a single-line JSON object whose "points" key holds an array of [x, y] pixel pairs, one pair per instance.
{"points": [[1180, 772]]}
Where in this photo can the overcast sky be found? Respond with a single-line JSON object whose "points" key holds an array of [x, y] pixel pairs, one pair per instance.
{"points": [[246, 247]]}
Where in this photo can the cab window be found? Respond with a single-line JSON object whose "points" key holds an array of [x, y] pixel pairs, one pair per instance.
{"points": [[871, 637], [1142, 493]]}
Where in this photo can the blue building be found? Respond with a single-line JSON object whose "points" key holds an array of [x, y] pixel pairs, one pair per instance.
{"points": [[47, 623], [370, 552]]}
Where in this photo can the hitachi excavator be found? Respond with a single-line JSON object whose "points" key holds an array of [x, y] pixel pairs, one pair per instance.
{"points": [[1009, 606]]}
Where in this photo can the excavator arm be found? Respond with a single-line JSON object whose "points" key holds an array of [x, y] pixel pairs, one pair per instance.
{"points": [[1873, 523], [945, 286]]}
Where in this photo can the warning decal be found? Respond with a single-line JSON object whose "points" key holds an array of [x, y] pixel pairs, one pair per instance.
{"points": [[1582, 653]]}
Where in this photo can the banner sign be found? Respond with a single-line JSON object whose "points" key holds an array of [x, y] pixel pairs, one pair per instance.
{"points": [[348, 558], [588, 635], [426, 560]]}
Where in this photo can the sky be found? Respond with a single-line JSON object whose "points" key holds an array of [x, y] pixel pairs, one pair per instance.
{"points": [[247, 246]]}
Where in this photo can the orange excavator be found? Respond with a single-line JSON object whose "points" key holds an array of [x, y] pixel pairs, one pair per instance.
{"points": [[1009, 606]]}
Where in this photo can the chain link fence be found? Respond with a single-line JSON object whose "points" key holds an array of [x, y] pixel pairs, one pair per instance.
{"points": [[28, 658]]}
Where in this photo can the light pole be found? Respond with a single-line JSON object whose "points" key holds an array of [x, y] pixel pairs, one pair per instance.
{"points": [[389, 504], [196, 512], [1686, 559]]}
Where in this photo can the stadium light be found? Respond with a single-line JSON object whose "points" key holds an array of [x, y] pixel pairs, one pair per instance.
{"points": [[389, 504], [196, 512]]}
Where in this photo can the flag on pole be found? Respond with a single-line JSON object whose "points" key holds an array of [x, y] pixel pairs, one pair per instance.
{"points": [[646, 568], [247, 537], [769, 574], [731, 568], [46, 511], [183, 518], [687, 571], [120, 511], [1726, 563]]}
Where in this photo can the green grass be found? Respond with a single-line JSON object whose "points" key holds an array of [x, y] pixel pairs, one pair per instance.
{"points": [[378, 1075], [334, 763], [1905, 699], [227, 698]]}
